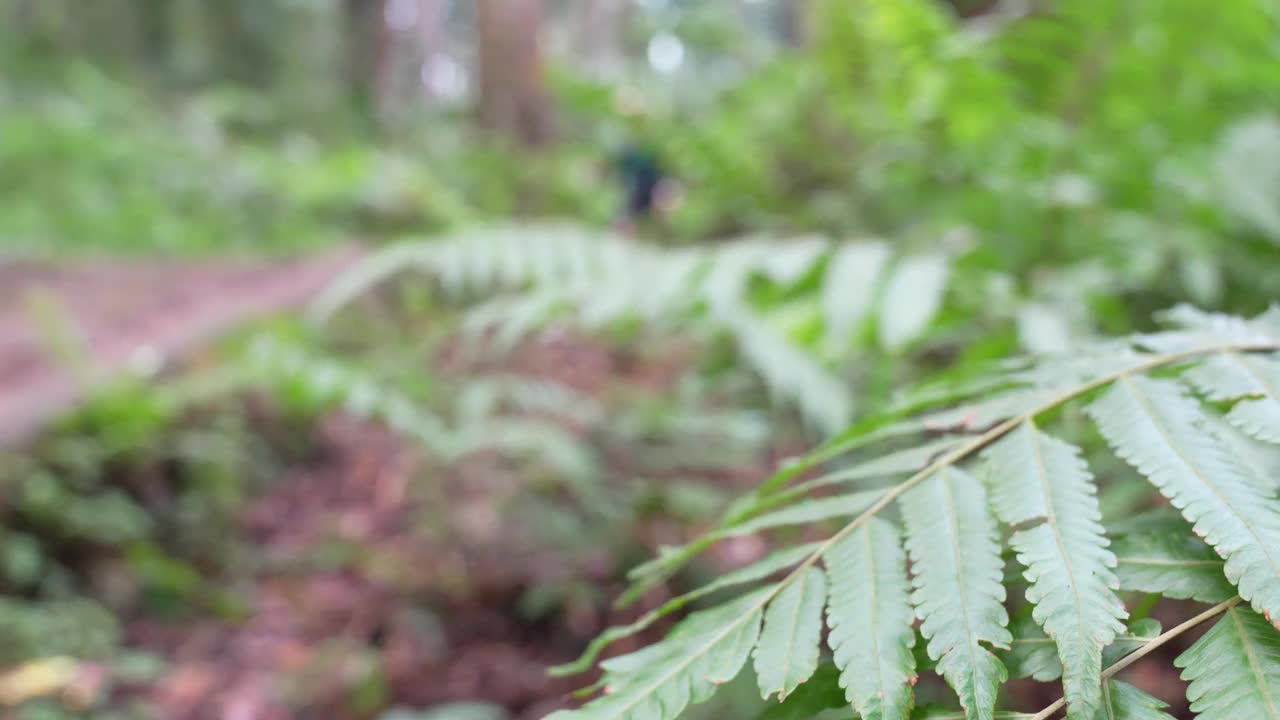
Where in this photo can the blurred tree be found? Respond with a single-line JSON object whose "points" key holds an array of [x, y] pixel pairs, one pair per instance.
{"points": [[368, 54], [512, 91]]}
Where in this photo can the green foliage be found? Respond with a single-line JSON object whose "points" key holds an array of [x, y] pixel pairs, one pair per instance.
{"points": [[1047, 133], [788, 651], [1036, 476], [747, 290], [1041, 484], [1155, 427], [79, 628], [870, 620], [1234, 670]]}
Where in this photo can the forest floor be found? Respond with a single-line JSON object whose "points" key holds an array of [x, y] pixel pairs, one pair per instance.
{"points": [[368, 588], [64, 326]]}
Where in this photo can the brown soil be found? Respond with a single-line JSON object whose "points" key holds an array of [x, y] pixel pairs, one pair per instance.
{"points": [[64, 327]]}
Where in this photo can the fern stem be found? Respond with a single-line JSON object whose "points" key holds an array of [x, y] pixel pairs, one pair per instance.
{"points": [[1141, 652]]}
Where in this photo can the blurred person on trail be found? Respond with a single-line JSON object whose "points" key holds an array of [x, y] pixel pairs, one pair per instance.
{"points": [[647, 190]]}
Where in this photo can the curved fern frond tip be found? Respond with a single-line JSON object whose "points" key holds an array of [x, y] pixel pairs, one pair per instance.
{"points": [[1019, 471]]}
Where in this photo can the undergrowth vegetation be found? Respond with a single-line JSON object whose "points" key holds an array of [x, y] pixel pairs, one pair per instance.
{"points": [[937, 245]]}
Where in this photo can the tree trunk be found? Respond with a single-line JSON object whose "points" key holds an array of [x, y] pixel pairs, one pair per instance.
{"points": [[369, 57], [795, 23], [597, 28], [432, 18], [512, 96]]}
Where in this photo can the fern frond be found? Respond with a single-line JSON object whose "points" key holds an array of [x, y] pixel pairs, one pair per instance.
{"points": [[1196, 328], [528, 275], [912, 296], [1234, 670], [1123, 701], [658, 682], [849, 287], [1037, 477], [959, 598], [791, 373], [807, 512], [1031, 653], [896, 463], [759, 570], [788, 651], [1254, 382], [869, 613], [1153, 426], [1172, 562], [1034, 654], [1041, 485]]}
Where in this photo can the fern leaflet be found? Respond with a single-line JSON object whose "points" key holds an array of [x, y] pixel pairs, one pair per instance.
{"points": [[870, 617], [952, 542], [1234, 670], [1160, 431], [1255, 382], [788, 651], [1035, 476]]}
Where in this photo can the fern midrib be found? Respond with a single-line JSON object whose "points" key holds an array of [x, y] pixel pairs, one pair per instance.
{"points": [[1259, 676], [875, 618], [1161, 562], [971, 644], [1051, 517], [795, 624], [1139, 639], [689, 660], [1106, 700], [1165, 435]]}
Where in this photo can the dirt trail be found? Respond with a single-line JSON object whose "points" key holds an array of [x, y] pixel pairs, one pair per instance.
{"points": [[122, 314]]}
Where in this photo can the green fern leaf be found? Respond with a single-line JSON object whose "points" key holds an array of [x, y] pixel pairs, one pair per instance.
{"points": [[913, 293], [1153, 426], [658, 682], [1033, 654], [805, 512], [759, 570], [1123, 701], [1261, 457], [1035, 476], [818, 694], [1172, 563], [899, 462], [1234, 670], [788, 651], [869, 613], [790, 372], [848, 290], [959, 598], [1232, 376]]}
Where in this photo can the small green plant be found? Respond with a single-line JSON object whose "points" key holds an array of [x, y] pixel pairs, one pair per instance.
{"points": [[1194, 410]]}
